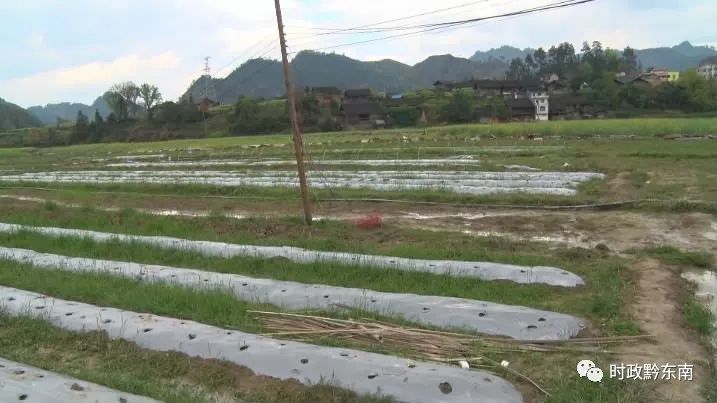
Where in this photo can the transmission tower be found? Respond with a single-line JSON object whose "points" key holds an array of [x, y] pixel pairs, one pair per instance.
{"points": [[209, 92]]}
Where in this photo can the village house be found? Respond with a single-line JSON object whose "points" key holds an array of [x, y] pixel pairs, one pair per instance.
{"points": [[555, 85], [571, 107], [325, 95], [623, 79], [659, 75], [708, 68], [359, 110], [540, 98], [520, 109], [359, 95]]}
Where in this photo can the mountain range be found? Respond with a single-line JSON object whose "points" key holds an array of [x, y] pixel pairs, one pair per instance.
{"points": [[50, 113], [14, 117], [263, 78]]}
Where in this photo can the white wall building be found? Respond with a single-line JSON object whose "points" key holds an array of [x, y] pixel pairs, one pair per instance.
{"points": [[708, 68], [541, 100]]}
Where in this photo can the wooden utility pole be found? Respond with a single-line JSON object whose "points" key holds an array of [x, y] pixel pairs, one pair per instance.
{"points": [[296, 131]]}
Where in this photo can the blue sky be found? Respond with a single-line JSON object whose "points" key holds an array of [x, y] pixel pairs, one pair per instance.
{"points": [[55, 51]]}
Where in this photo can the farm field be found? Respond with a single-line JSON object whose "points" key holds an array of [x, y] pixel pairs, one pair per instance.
{"points": [[442, 264]]}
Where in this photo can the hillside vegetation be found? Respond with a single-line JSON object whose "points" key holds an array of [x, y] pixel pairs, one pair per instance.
{"points": [[15, 117], [263, 78]]}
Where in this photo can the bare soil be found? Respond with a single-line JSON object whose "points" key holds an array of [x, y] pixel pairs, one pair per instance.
{"points": [[619, 230], [657, 308]]}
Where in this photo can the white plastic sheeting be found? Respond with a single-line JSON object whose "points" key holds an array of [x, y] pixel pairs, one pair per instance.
{"points": [[454, 268], [464, 160], [23, 383], [355, 370], [477, 316], [467, 182]]}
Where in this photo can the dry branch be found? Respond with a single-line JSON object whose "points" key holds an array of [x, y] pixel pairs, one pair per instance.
{"points": [[425, 344]]}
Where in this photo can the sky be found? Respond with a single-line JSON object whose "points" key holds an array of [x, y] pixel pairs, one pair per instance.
{"points": [[72, 51]]}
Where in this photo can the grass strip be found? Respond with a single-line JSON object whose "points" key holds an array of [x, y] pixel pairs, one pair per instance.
{"points": [[167, 376], [599, 301]]}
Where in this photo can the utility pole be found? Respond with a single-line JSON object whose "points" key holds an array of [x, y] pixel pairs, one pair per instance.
{"points": [[210, 92], [296, 132]]}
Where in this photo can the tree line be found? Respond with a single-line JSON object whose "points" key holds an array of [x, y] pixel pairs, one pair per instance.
{"points": [[132, 105], [593, 71]]}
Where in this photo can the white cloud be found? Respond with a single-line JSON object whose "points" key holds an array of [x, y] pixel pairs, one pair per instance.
{"points": [[36, 39], [93, 78], [167, 45]]}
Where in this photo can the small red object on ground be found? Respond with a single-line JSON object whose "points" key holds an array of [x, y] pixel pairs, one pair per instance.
{"points": [[369, 222]]}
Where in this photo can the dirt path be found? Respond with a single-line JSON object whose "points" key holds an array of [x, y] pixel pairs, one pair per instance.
{"points": [[657, 308]]}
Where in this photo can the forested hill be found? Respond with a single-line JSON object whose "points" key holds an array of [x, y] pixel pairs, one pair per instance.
{"points": [[50, 113], [263, 78], [15, 117], [680, 57]]}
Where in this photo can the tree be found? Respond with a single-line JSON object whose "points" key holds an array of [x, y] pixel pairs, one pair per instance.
{"points": [[518, 70], [117, 104], [530, 63], [150, 97], [541, 59], [605, 91], [701, 93], [98, 117], [81, 131], [309, 109], [129, 93], [628, 63], [97, 127], [177, 114], [561, 59], [460, 109]]}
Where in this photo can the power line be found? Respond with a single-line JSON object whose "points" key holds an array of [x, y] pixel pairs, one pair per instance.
{"points": [[380, 30], [266, 41], [263, 65], [337, 30], [444, 26]]}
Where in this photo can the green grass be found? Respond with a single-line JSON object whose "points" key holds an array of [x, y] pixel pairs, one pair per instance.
{"points": [[699, 317], [167, 376], [599, 301], [603, 127], [656, 169], [672, 255], [327, 235], [221, 309], [217, 307]]}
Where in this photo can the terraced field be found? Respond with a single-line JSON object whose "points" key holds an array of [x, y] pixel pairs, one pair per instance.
{"points": [[180, 271]]}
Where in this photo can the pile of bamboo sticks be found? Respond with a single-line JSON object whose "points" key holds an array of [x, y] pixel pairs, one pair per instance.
{"points": [[432, 345]]}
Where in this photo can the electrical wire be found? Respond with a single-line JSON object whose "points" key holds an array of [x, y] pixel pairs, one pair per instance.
{"points": [[426, 28], [361, 27], [266, 41], [263, 65]]}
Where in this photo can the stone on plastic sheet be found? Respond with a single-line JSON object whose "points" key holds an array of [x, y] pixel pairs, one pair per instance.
{"points": [[454, 268], [23, 383], [359, 371], [476, 316]]}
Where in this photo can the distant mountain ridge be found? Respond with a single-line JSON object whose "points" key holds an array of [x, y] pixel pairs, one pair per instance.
{"points": [[15, 117], [503, 53], [263, 78], [49, 113], [680, 57]]}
